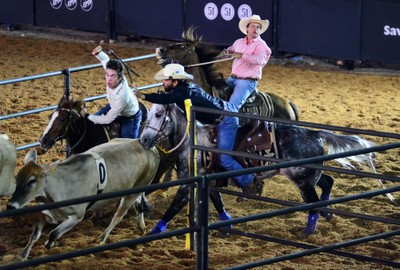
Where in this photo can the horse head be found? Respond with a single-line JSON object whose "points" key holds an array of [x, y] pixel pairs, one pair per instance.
{"points": [[189, 52], [159, 126], [183, 53], [59, 122]]}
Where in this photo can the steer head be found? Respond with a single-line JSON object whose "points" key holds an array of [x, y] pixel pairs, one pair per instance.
{"points": [[30, 181]]}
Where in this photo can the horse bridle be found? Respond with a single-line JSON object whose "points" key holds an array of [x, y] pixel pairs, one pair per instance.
{"points": [[161, 136], [188, 52], [69, 123]]}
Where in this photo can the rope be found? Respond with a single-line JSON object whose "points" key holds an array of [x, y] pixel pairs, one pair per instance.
{"points": [[173, 149]]}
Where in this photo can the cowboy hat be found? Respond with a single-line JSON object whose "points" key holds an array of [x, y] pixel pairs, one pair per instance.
{"points": [[173, 71], [253, 19]]}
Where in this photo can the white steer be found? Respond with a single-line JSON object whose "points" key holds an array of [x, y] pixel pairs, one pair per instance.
{"points": [[114, 166], [8, 160]]}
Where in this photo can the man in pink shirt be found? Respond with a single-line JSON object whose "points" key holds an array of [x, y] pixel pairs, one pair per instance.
{"points": [[251, 54]]}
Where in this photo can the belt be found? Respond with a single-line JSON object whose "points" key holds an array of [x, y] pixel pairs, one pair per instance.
{"points": [[243, 78], [129, 117]]}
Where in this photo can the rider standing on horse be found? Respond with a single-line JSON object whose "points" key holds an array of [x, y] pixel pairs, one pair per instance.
{"points": [[251, 54], [175, 83], [122, 103]]}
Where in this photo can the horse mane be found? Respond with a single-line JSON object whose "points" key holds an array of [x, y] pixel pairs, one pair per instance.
{"points": [[205, 53], [203, 132]]}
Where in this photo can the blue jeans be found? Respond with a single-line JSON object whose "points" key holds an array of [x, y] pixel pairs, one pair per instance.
{"points": [[242, 89], [226, 140], [129, 125]]}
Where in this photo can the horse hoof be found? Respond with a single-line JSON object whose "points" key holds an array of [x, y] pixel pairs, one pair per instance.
{"points": [[241, 199], [327, 216], [307, 232], [222, 233], [49, 244]]}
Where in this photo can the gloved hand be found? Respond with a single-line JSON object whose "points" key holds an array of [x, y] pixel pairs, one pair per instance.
{"points": [[138, 95], [223, 54], [83, 113]]}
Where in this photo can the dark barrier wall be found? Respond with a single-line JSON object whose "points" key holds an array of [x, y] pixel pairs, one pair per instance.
{"points": [[381, 31], [342, 29], [155, 18], [218, 21], [328, 28], [17, 12], [85, 15]]}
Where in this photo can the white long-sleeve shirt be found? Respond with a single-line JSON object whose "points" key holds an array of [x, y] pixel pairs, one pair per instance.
{"points": [[121, 99]]}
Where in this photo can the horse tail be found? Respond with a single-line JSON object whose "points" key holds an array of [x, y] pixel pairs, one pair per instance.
{"points": [[143, 205], [295, 110], [342, 143]]}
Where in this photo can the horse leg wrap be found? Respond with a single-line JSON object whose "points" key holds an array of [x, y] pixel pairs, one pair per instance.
{"points": [[160, 227], [225, 216], [311, 224], [326, 215]]}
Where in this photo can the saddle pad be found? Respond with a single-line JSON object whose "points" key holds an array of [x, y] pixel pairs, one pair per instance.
{"points": [[257, 104]]}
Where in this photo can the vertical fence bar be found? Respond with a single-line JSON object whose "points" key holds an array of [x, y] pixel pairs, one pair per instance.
{"points": [[202, 223], [67, 83], [67, 93]]}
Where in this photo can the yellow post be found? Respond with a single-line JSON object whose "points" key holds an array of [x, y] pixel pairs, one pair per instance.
{"points": [[188, 104]]}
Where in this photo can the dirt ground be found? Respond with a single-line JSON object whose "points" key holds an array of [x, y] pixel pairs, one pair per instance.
{"points": [[366, 98]]}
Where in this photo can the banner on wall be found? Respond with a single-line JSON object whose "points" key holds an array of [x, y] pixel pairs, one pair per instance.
{"points": [[152, 18], [17, 12], [218, 21], [381, 31], [83, 15], [329, 28]]}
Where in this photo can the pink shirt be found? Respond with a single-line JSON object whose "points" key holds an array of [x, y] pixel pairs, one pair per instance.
{"points": [[255, 56]]}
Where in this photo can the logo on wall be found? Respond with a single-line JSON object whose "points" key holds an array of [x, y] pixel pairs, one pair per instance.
{"points": [[244, 11], [86, 5], [391, 31], [56, 4], [71, 4], [227, 11], [211, 11]]}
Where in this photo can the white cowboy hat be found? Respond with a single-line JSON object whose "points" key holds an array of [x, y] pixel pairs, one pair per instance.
{"points": [[253, 19], [173, 71]]}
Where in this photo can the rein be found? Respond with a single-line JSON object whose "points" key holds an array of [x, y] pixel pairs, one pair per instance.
{"points": [[69, 123], [209, 62]]}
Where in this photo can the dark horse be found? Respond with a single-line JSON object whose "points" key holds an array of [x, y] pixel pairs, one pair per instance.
{"points": [[292, 143], [82, 134], [191, 52]]}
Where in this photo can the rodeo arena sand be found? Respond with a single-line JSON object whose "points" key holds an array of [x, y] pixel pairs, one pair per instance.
{"points": [[366, 97]]}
